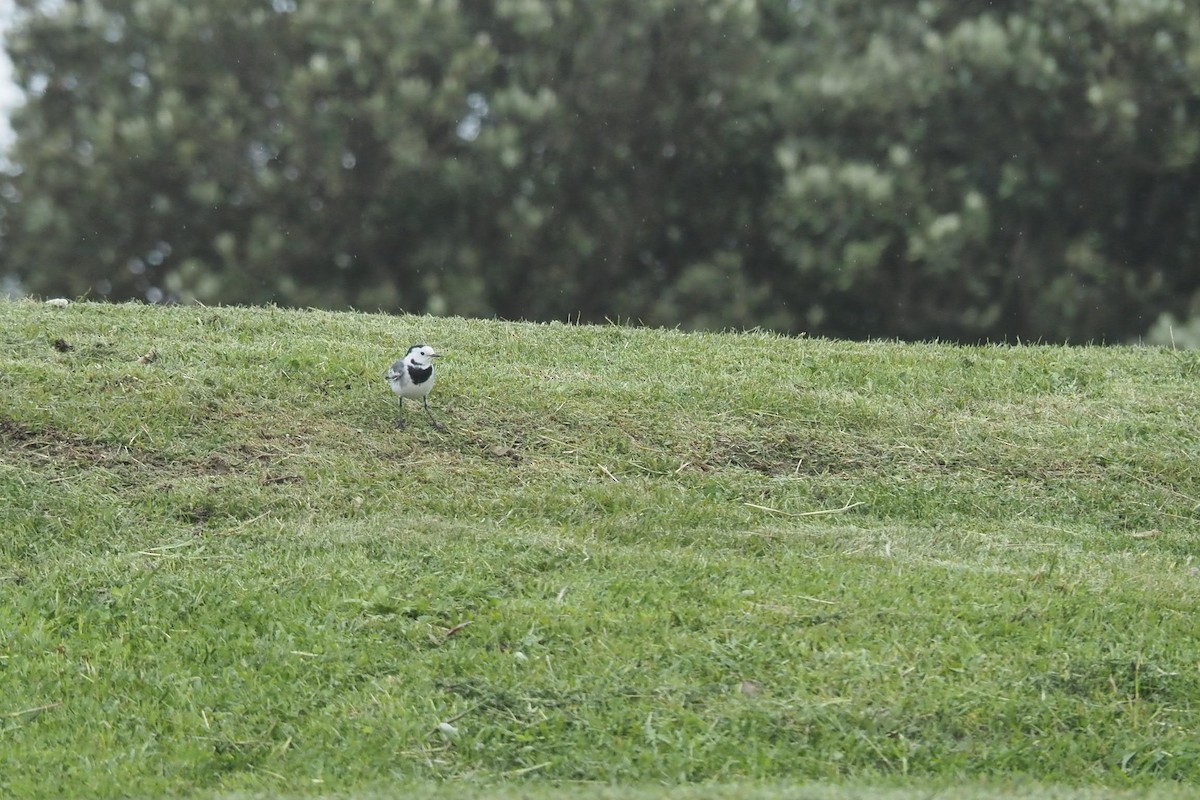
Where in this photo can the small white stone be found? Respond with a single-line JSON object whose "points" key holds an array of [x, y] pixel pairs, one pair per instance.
{"points": [[447, 730], [58, 302], [519, 656]]}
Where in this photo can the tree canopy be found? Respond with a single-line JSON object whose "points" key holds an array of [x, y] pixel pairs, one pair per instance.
{"points": [[951, 168]]}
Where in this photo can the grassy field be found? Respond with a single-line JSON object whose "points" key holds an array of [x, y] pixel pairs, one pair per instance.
{"points": [[636, 563]]}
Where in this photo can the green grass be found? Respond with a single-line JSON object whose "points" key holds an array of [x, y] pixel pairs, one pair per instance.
{"points": [[637, 563]]}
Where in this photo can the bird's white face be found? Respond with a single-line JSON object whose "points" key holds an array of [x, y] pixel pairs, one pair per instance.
{"points": [[421, 355]]}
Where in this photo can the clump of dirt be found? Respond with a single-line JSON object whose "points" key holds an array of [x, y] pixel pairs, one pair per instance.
{"points": [[52, 443], [794, 454]]}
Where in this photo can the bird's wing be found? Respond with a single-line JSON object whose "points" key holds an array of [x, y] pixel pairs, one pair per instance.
{"points": [[395, 370]]}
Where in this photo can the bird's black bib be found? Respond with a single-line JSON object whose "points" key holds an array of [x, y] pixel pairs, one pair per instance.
{"points": [[419, 374]]}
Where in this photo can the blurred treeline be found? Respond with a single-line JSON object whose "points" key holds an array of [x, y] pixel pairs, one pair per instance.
{"points": [[964, 169]]}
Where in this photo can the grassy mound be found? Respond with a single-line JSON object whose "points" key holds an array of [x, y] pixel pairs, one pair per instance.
{"points": [[634, 557]]}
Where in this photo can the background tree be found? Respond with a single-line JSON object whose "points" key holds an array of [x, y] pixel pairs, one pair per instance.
{"points": [[950, 169], [918, 169]]}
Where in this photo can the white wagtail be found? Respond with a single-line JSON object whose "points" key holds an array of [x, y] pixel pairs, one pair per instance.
{"points": [[412, 377]]}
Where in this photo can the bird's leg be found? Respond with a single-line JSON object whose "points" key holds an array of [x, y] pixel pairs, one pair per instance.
{"points": [[436, 424], [400, 418]]}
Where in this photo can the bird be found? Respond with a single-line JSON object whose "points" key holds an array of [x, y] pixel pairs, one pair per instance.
{"points": [[413, 377]]}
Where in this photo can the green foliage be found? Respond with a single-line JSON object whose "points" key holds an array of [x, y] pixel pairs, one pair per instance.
{"points": [[929, 168], [634, 557], [986, 170]]}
